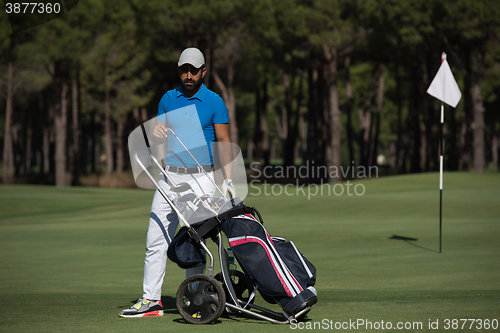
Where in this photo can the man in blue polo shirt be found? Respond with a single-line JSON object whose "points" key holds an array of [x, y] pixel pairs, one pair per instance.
{"points": [[198, 117]]}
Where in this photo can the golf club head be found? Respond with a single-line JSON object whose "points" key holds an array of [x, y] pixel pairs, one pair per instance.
{"points": [[190, 197], [205, 197], [219, 201], [182, 187]]}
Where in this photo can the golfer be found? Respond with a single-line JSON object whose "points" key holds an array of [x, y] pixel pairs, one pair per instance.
{"points": [[196, 114]]}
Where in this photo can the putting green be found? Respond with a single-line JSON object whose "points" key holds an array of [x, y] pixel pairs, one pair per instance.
{"points": [[72, 258]]}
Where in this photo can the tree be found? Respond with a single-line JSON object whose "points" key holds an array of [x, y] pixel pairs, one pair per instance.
{"points": [[6, 54], [468, 29], [227, 43], [116, 65], [333, 35], [8, 156]]}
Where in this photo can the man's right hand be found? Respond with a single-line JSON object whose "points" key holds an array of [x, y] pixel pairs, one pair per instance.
{"points": [[228, 187], [159, 130]]}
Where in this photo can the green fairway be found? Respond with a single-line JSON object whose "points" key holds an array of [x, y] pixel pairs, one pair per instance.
{"points": [[72, 258]]}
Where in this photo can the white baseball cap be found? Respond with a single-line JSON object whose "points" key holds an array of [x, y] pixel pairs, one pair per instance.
{"points": [[191, 56]]}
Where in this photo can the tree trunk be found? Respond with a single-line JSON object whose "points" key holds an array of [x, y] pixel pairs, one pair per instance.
{"points": [[60, 122], [478, 110], [136, 117], [315, 119], [8, 153], [288, 126], [494, 149], [28, 152], [92, 144], [75, 129], [451, 126], [365, 120], [257, 134], [432, 131], [96, 146], [17, 150], [283, 125], [46, 151], [426, 126], [466, 137], [144, 114], [272, 150], [379, 102], [250, 149], [334, 128], [208, 62], [303, 137], [264, 128], [48, 138], [120, 149], [414, 121], [399, 143], [348, 109], [290, 143], [368, 118], [232, 105], [108, 141], [228, 96]]}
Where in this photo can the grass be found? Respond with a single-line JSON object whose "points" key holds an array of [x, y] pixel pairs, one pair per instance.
{"points": [[72, 258]]}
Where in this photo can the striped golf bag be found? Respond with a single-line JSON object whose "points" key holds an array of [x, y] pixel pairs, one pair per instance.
{"points": [[280, 272]]}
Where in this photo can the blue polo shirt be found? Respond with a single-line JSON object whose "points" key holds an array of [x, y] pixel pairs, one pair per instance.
{"points": [[192, 119]]}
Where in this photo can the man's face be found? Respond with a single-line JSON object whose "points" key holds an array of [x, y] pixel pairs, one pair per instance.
{"points": [[191, 77]]}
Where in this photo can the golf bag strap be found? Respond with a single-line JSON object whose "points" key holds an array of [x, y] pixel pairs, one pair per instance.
{"points": [[217, 220], [256, 212], [207, 227]]}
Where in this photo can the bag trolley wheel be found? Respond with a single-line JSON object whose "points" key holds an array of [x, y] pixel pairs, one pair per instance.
{"points": [[242, 285], [200, 299]]}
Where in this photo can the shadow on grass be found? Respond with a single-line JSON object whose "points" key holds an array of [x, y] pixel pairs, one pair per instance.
{"points": [[169, 305], [183, 321], [423, 248], [409, 240]]}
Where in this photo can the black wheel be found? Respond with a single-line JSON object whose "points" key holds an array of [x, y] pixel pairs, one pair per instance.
{"points": [[200, 299], [243, 287]]}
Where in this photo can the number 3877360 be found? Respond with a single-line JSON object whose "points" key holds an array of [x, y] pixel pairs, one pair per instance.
{"points": [[32, 8]]}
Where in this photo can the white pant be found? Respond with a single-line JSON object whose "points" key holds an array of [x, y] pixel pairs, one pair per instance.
{"points": [[162, 225]]}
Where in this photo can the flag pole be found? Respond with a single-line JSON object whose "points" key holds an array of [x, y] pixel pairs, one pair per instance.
{"points": [[441, 178], [445, 88], [441, 150]]}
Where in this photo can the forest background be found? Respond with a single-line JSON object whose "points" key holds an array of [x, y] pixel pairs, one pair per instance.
{"points": [[307, 82]]}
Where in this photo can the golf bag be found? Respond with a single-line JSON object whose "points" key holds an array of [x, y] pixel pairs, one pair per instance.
{"points": [[280, 272]]}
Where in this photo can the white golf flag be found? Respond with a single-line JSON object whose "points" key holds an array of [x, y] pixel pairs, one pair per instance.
{"points": [[444, 87]]}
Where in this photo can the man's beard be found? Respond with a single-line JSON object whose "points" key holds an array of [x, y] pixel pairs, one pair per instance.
{"points": [[194, 86]]}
